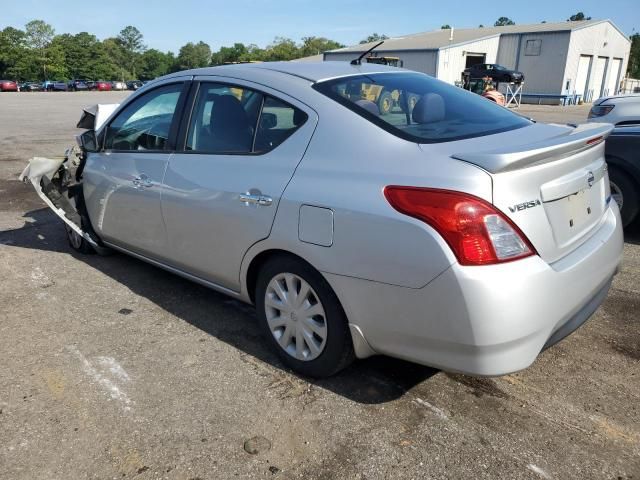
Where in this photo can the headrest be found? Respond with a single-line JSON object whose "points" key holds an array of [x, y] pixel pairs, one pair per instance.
{"points": [[429, 109], [227, 113], [369, 106]]}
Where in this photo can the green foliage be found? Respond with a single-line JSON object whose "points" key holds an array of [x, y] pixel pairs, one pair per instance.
{"points": [[633, 68], [36, 53], [446, 26], [193, 55], [317, 45], [502, 21], [374, 37], [153, 63], [578, 17], [130, 39]]}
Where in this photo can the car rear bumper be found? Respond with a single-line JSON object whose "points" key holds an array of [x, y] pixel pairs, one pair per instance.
{"points": [[489, 320]]}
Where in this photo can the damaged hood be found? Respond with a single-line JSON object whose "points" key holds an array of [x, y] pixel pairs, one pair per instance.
{"points": [[93, 117]]}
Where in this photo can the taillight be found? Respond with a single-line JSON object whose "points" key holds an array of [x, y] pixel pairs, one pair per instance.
{"points": [[476, 231], [599, 110]]}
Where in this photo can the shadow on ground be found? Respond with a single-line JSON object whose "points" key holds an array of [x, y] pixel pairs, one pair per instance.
{"points": [[371, 381]]}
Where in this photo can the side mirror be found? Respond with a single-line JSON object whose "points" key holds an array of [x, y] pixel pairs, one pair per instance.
{"points": [[268, 120], [88, 141]]}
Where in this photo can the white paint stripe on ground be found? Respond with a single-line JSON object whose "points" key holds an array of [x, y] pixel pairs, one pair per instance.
{"points": [[440, 413], [539, 471], [109, 385], [114, 367]]}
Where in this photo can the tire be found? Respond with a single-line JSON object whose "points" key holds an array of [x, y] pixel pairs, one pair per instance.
{"points": [[327, 330], [626, 194], [78, 243], [385, 103]]}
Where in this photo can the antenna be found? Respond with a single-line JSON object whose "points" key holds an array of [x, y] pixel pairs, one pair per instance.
{"points": [[358, 61]]}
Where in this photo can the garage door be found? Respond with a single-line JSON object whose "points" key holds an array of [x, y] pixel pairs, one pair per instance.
{"points": [[583, 74], [613, 79], [598, 77]]}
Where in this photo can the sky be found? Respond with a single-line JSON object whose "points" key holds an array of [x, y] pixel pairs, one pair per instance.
{"points": [[169, 24]]}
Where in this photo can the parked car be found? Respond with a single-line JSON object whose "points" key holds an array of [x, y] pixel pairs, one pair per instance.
{"points": [[101, 85], [134, 85], [30, 87], [8, 86], [619, 109], [623, 157], [473, 240], [116, 85], [496, 72], [78, 85], [55, 86]]}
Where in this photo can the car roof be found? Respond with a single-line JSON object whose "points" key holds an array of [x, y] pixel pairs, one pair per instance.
{"points": [[312, 71], [626, 130], [635, 96]]}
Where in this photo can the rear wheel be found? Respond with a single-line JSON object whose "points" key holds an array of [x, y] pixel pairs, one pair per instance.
{"points": [[625, 193], [301, 318]]}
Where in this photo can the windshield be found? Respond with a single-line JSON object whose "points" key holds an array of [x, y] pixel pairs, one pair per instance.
{"points": [[419, 108], [498, 67]]}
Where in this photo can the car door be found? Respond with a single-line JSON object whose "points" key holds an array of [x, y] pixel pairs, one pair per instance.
{"points": [[241, 147], [122, 183]]}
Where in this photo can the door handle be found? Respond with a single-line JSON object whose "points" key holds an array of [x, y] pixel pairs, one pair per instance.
{"points": [[142, 181], [251, 199]]}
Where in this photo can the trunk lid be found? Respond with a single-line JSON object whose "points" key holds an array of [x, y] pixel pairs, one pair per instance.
{"points": [[550, 180]]}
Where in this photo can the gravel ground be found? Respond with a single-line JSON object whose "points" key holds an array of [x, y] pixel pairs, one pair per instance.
{"points": [[111, 368]]}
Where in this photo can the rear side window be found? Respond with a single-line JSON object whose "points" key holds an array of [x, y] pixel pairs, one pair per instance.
{"points": [[145, 123], [419, 108], [229, 119], [278, 120]]}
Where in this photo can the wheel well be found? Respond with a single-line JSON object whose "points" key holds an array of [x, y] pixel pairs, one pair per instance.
{"points": [[257, 263]]}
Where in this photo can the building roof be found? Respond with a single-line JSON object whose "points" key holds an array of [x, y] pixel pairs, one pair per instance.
{"points": [[311, 58], [437, 39]]}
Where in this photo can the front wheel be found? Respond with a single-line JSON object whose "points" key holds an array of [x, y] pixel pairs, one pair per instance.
{"points": [[77, 242], [302, 318]]}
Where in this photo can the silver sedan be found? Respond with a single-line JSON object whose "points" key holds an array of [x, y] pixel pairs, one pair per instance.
{"points": [[362, 209]]}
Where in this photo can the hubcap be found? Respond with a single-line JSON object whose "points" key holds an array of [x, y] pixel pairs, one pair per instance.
{"points": [[616, 194], [295, 316]]}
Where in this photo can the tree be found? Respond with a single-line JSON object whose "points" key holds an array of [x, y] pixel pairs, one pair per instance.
{"points": [[12, 53], [481, 26], [154, 63], [446, 26], [317, 45], [130, 39], [38, 36], [229, 54], [193, 55], [281, 49], [578, 17], [374, 37], [503, 21], [633, 69]]}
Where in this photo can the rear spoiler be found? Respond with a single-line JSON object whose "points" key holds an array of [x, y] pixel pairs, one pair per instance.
{"points": [[94, 116], [506, 159]]}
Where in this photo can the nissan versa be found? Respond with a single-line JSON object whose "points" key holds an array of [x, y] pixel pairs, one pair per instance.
{"points": [[446, 231]]}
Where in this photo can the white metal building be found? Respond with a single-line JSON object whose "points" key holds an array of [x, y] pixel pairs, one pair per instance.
{"points": [[588, 58]]}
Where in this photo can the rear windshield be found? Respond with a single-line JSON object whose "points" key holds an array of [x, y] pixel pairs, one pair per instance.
{"points": [[419, 108]]}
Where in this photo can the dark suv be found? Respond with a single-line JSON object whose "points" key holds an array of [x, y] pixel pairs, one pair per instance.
{"points": [[76, 85], [497, 72]]}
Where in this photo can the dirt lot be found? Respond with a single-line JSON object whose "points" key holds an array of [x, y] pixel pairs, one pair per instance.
{"points": [[111, 368]]}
